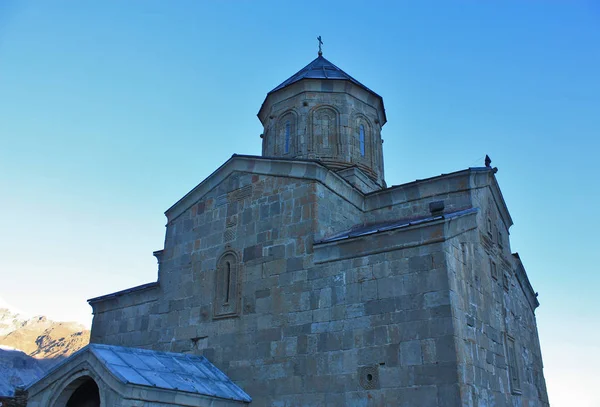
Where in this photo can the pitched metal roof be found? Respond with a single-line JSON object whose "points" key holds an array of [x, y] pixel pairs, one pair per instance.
{"points": [[320, 68], [166, 370], [363, 230], [163, 370]]}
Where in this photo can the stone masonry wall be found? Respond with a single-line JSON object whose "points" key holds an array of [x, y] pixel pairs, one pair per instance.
{"points": [[127, 319], [356, 332], [333, 213], [418, 320], [491, 306], [412, 200], [332, 324]]}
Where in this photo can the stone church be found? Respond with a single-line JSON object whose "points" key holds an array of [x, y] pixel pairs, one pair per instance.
{"points": [[298, 278]]}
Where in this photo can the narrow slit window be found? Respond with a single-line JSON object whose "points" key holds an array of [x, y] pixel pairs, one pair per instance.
{"points": [[226, 301], [513, 367], [287, 137], [325, 130], [493, 270], [227, 281], [362, 140]]}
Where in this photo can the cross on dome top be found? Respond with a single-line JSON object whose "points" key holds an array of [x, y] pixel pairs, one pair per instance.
{"points": [[320, 43]]}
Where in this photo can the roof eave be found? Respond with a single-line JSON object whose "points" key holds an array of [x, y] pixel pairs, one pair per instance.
{"points": [[115, 294], [262, 113]]}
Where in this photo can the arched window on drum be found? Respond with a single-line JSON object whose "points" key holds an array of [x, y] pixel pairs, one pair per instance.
{"points": [[286, 134], [361, 139], [362, 144], [287, 137]]}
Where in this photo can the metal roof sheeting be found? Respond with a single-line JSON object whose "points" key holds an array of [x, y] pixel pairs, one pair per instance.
{"points": [[362, 230], [320, 68], [166, 370]]}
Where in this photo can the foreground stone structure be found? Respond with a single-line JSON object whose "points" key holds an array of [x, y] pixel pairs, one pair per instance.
{"points": [[103, 375], [308, 282]]}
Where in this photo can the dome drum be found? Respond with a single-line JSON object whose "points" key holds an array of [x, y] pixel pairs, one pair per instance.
{"points": [[336, 121]]}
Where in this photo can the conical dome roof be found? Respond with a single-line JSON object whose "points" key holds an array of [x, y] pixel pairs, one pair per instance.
{"points": [[322, 113], [320, 68]]}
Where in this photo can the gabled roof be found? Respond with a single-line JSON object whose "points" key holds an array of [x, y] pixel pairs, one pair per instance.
{"points": [[163, 370], [320, 68], [299, 168]]}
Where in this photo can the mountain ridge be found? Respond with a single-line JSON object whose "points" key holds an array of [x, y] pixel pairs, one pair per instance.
{"points": [[30, 346], [41, 337]]}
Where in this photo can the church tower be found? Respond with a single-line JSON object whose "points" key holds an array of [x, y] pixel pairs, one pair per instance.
{"points": [[323, 113]]}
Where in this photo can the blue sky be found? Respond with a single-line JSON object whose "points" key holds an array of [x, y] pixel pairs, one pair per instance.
{"points": [[111, 111]]}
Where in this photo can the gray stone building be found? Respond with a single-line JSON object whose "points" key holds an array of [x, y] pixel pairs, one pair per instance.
{"points": [[309, 282]]}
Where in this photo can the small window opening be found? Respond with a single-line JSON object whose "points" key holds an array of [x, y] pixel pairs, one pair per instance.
{"points": [[287, 137], [513, 367], [227, 281], [493, 270], [325, 130], [514, 372], [362, 140], [226, 301]]}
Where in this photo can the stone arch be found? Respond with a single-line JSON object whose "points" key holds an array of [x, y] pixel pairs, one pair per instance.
{"points": [[325, 131], [227, 278], [286, 137], [81, 389]]}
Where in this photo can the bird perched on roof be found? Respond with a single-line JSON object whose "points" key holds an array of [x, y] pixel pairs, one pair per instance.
{"points": [[488, 161]]}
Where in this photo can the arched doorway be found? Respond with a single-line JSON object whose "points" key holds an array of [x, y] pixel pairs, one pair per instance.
{"points": [[86, 395], [82, 392]]}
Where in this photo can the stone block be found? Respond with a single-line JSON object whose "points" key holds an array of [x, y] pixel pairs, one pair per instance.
{"points": [[410, 353], [445, 348], [295, 263], [382, 306], [371, 356], [428, 351], [436, 298], [368, 290], [252, 253], [390, 287], [436, 374]]}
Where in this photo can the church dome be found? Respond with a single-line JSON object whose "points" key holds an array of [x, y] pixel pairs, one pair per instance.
{"points": [[323, 113]]}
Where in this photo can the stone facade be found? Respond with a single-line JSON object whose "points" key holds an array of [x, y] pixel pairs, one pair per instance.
{"points": [[309, 284]]}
